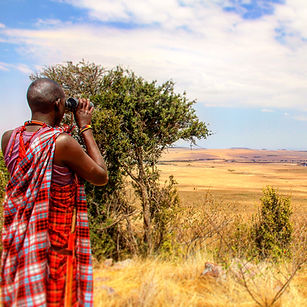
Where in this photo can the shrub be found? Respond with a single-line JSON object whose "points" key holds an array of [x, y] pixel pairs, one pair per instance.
{"points": [[240, 238], [165, 208], [273, 230], [4, 177]]}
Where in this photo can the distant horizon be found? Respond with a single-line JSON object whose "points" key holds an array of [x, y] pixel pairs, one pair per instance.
{"points": [[236, 147]]}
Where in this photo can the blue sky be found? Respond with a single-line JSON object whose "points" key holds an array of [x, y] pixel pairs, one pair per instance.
{"points": [[244, 61]]}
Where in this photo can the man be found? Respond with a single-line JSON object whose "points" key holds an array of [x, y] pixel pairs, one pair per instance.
{"points": [[46, 257]]}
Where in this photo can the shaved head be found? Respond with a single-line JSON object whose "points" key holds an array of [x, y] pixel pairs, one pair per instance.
{"points": [[42, 95]]}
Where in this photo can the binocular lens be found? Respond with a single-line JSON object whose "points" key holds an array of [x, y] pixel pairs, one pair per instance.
{"points": [[72, 103]]}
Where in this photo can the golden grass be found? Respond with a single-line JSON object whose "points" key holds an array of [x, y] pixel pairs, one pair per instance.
{"points": [[235, 182], [158, 283], [237, 187]]}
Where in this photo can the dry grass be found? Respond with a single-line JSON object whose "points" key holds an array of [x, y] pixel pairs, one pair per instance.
{"points": [[240, 182], [236, 188], [157, 283]]}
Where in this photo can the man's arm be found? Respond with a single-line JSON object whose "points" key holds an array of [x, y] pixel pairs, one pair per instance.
{"points": [[5, 140], [68, 152]]}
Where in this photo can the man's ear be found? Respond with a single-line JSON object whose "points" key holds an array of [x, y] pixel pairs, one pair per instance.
{"points": [[57, 104]]}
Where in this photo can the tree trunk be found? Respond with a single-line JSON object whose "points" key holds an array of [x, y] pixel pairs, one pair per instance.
{"points": [[147, 221], [145, 203]]}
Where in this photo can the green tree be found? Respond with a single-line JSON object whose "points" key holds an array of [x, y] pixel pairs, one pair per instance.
{"points": [[78, 79], [149, 118], [134, 122]]}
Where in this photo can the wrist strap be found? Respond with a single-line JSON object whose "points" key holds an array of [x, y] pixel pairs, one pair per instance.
{"points": [[84, 128]]}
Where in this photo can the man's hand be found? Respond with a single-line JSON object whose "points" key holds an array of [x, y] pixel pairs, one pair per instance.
{"points": [[83, 114]]}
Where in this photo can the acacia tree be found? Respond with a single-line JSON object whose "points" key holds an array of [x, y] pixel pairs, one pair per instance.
{"points": [[149, 118], [81, 79], [135, 120]]}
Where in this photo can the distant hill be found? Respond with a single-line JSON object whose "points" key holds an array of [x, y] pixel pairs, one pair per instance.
{"points": [[240, 148], [242, 155]]}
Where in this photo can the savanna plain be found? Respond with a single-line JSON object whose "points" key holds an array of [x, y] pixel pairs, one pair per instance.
{"points": [[225, 188]]}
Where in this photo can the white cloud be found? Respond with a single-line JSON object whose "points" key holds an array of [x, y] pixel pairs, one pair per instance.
{"points": [[293, 17], [24, 68], [2, 26], [3, 66], [217, 57], [145, 12], [21, 67], [47, 22]]}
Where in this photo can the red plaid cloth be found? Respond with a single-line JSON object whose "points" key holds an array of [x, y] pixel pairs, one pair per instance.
{"points": [[61, 207], [25, 268]]}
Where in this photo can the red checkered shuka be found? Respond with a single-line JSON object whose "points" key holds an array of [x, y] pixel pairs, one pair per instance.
{"points": [[26, 244], [61, 208]]}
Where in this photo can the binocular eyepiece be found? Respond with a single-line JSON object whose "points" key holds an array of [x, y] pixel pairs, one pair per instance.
{"points": [[71, 104]]}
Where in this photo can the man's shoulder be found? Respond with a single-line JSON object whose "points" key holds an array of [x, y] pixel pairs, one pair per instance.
{"points": [[66, 149], [7, 134], [64, 139]]}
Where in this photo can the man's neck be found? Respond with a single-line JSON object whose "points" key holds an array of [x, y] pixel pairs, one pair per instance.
{"points": [[45, 118]]}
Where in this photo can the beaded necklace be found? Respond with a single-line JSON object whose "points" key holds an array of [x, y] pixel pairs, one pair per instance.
{"points": [[22, 146]]}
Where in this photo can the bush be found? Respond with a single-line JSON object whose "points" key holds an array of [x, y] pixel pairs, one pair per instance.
{"points": [[105, 218], [165, 207], [240, 238], [4, 177], [273, 230]]}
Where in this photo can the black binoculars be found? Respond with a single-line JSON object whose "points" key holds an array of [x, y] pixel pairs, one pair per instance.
{"points": [[71, 104]]}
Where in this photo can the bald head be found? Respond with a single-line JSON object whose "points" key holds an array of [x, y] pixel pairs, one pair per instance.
{"points": [[42, 95]]}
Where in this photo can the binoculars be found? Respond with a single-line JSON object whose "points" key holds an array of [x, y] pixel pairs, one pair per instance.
{"points": [[71, 104]]}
